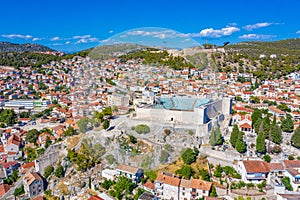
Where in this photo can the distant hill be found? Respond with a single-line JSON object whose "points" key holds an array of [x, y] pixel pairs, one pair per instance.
{"points": [[289, 47], [12, 47], [108, 51]]}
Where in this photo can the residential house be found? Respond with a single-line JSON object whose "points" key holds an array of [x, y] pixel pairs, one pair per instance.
{"points": [[43, 138], [293, 172], [254, 171], [149, 186], [194, 189], [109, 174], [244, 122], [13, 144], [133, 173], [33, 184], [10, 167], [4, 188], [167, 186], [275, 111], [27, 167]]}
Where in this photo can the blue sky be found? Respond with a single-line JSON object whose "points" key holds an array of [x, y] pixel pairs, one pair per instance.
{"points": [[75, 25]]}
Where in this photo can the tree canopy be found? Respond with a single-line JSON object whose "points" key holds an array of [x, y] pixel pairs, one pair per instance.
{"points": [[295, 140], [216, 137], [189, 156], [287, 124]]}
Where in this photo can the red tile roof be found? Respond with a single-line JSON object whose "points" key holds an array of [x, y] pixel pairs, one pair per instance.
{"points": [[9, 164], [149, 185], [292, 163], [170, 180], [246, 125], [256, 166], [276, 166], [95, 198], [3, 189]]}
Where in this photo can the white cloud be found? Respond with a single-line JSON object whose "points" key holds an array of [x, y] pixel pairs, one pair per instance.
{"points": [[57, 44], [81, 36], [87, 40], [256, 37], [111, 31], [67, 42], [157, 34], [298, 32], [36, 39], [250, 27], [232, 24], [55, 38], [17, 36], [217, 33]]}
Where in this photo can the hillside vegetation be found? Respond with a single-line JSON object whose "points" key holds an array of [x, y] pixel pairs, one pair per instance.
{"points": [[245, 58]]}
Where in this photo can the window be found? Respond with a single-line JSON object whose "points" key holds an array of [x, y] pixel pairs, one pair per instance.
{"points": [[183, 193]]}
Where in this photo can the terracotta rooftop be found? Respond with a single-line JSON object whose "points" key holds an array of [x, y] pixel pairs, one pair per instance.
{"points": [[185, 183], [127, 168], [200, 184], [95, 197], [149, 185], [246, 125], [3, 189], [9, 164], [256, 166], [292, 163], [293, 172], [276, 166], [167, 179], [31, 177]]}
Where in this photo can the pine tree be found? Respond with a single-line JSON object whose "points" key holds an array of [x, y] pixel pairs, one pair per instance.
{"points": [[287, 124], [260, 143], [266, 126], [257, 125], [295, 140], [240, 145], [216, 137], [212, 138], [257, 114], [234, 135], [276, 134]]}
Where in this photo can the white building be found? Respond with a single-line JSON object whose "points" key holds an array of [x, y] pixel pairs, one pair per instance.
{"points": [[167, 186], [109, 174], [254, 171], [194, 189]]}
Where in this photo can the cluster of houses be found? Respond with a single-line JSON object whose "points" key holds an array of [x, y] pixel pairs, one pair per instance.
{"points": [[166, 185], [256, 171]]}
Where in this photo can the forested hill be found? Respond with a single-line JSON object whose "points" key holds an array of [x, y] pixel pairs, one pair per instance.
{"points": [[12, 47], [289, 47], [280, 58]]}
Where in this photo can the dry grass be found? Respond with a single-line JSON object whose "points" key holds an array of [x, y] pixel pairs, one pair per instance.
{"points": [[201, 163], [63, 187], [91, 192], [73, 141], [171, 168]]}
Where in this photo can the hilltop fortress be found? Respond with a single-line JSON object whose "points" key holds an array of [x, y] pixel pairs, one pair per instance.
{"points": [[192, 112]]}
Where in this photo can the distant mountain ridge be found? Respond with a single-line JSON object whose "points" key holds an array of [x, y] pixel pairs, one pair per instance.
{"points": [[255, 48], [12, 47]]}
